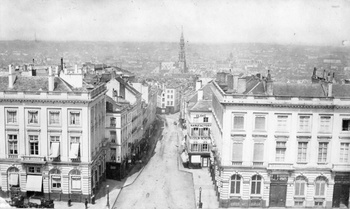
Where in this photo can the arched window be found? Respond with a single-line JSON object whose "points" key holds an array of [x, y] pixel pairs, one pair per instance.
{"points": [[13, 176], [75, 178], [256, 184], [300, 184], [320, 186], [55, 176], [236, 181]]}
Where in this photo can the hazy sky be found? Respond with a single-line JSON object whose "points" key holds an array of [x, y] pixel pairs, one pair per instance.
{"points": [[272, 21]]}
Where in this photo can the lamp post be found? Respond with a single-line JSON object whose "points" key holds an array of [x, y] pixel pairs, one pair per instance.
{"points": [[200, 197], [108, 196]]}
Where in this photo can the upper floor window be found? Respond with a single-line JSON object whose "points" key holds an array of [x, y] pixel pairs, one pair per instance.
{"points": [[11, 116], [280, 151], [258, 155], [282, 123], [322, 152], [74, 118], [33, 144], [54, 117], [304, 123], [34, 169], [12, 144], [113, 136], [260, 123], [205, 119], [344, 152], [325, 124], [238, 122], [346, 125], [33, 117], [302, 151], [113, 122]]}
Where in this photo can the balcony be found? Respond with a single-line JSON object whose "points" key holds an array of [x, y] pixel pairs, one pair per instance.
{"points": [[341, 167], [55, 159], [237, 163], [13, 156], [258, 164], [76, 160], [280, 166], [33, 159]]}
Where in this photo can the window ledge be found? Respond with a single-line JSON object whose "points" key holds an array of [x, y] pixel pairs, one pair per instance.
{"points": [[299, 197], [302, 163]]}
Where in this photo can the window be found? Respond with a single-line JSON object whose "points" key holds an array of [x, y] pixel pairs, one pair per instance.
{"points": [[256, 184], [206, 132], [282, 123], [13, 144], [302, 151], [322, 152], [171, 96], [163, 99], [236, 182], [54, 117], [113, 136], [238, 122], [325, 124], [75, 179], [237, 152], [320, 186], [260, 123], [55, 138], [205, 119], [280, 151], [195, 132], [33, 145], [74, 118], [304, 123], [171, 103], [113, 120], [194, 147], [205, 147], [34, 169], [346, 125], [299, 186], [344, 152], [168, 96], [258, 152], [32, 117], [74, 152], [55, 179], [11, 116], [168, 103], [113, 154]]}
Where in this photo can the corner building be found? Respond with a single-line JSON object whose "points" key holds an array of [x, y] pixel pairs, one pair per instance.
{"points": [[280, 145], [52, 135]]}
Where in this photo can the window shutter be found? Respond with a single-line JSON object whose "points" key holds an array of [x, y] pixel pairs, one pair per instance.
{"points": [[258, 152]]}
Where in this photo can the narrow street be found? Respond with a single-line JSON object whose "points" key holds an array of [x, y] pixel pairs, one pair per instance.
{"points": [[161, 184]]}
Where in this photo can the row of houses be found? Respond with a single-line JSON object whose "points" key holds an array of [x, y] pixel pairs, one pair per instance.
{"points": [[272, 144], [64, 134]]}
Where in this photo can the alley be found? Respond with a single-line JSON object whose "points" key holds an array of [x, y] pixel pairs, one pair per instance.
{"points": [[161, 184]]}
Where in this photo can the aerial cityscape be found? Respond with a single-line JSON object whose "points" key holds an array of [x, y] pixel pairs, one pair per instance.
{"points": [[174, 104]]}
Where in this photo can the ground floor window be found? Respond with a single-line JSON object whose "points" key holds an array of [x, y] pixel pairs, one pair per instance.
{"points": [[75, 178], [236, 181]]}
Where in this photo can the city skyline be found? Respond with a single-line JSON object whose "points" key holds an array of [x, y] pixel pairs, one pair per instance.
{"points": [[283, 22]]}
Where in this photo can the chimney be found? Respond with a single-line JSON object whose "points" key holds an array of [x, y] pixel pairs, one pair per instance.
{"points": [[62, 63], [198, 85], [230, 82], [57, 71], [330, 89], [314, 73], [324, 74], [333, 77], [235, 82], [200, 94], [12, 77], [51, 80], [76, 69], [242, 85]]}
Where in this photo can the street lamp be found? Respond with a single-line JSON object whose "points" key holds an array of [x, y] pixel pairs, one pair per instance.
{"points": [[108, 196], [200, 196]]}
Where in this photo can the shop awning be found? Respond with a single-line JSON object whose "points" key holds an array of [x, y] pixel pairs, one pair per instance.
{"points": [[195, 159], [184, 157], [74, 150], [55, 149], [34, 183], [13, 179]]}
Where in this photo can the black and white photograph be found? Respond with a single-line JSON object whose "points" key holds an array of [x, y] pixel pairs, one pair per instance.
{"points": [[174, 104]]}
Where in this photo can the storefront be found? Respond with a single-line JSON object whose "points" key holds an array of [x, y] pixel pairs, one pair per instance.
{"points": [[341, 190]]}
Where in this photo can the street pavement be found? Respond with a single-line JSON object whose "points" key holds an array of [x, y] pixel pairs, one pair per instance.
{"points": [[161, 184]]}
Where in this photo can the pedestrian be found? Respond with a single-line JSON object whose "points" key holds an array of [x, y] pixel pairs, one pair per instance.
{"points": [[69, 202], [86, 203]]}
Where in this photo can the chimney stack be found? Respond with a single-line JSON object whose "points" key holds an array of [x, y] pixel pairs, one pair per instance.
{"points": [[269, 84], [242, 85], [235, 82], [200, 94], [230, 82], [12, 77], [76, 69], [314, 73], [51, 80], [198, 85], [62, 64]]}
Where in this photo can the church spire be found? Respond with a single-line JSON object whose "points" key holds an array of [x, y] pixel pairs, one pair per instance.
{"points": [[182, 56]]}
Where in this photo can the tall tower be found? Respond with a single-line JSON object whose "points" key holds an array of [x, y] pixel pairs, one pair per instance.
{"points": [[182, 56]]}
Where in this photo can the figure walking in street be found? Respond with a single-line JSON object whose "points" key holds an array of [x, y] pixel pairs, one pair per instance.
{"points": [[86, 203]]}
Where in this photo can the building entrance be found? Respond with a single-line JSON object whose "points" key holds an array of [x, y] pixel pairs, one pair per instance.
{"points": [[341, 190], [278, 190]]}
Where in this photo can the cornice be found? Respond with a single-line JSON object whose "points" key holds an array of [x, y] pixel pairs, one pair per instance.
{"points": [[45, 100], [287, 105]]}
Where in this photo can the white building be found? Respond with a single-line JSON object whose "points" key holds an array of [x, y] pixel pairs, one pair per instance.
{"points": [[277, 144]]}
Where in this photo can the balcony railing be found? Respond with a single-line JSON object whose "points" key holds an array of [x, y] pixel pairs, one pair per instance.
{"points": [[260, 164], [55, 159], [76, 159], [33, 158], [237, 163], [12, 156]]}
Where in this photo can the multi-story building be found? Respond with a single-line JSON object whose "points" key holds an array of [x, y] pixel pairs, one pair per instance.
{"points": [[198, 123], [169, 98], [118, 89], [279, 144], [52, 135]]}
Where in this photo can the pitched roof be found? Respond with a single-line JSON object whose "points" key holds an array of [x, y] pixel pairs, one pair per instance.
{"points": [[341, 90], [201, 106], [298, 90]]}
